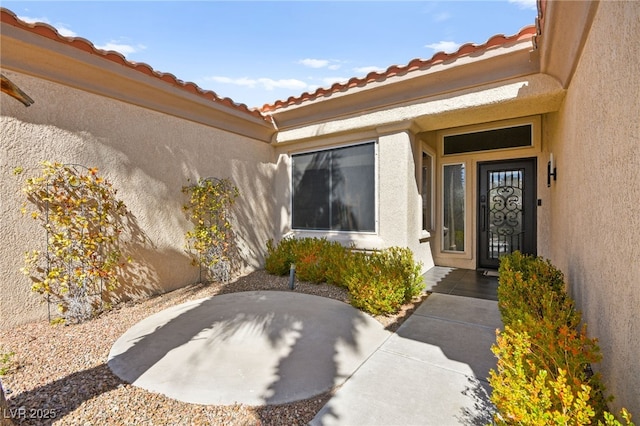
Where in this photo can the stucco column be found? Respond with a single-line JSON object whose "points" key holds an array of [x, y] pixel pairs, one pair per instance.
{"points": [[399, 200]]}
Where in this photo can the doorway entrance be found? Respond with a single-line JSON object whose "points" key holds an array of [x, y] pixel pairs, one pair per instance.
{"points": [[506, 210]]}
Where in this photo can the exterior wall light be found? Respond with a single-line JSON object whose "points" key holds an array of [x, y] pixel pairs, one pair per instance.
{"points": [[551, 170]]}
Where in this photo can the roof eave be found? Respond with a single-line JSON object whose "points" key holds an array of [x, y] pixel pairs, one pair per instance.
{"points": [[519, 97], [76, 64], [500, 63]]}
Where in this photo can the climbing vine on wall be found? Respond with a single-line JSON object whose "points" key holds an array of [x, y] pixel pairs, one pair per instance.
{"points": [[82, 219], [211, 241]]}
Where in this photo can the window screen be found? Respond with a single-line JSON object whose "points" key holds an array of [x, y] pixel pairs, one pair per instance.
{"points": [[335, 189]]}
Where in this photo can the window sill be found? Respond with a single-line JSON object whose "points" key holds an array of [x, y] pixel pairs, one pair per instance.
{"points": [[361, 240]]}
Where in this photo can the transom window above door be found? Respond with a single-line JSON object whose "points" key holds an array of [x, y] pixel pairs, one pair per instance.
{"points": [[334, 189], [487, 140]]}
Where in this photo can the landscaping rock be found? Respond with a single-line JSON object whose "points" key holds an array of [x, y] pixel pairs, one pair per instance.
{"points": [[5, 417], [60, 374]]}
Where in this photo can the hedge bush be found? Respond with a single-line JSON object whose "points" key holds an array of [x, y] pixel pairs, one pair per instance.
{"points": [[544, 354], [381, 282], [316, 259], [308, 254], [526, 394], [530, 286], [280, 256], [378, 283]]}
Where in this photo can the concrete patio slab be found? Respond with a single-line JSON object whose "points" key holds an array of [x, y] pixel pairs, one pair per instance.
{"points": [[272, 347], [255, 348]]}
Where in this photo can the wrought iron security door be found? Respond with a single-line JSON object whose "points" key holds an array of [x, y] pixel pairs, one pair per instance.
{"points": [[506, 210]]}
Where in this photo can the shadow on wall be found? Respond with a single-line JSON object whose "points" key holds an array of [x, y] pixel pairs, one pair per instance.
{"points": [[255, 213], [148, 156], [137, 277]]}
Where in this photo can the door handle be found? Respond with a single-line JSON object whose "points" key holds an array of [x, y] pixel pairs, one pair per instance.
{"points": [[483, 212]]}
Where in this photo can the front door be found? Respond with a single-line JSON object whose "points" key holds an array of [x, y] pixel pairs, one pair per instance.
{"points": [[506, 209]]}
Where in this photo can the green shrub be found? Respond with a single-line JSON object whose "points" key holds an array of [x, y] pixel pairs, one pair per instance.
{"points": [[532, 286], [316, 259], [308, 254], [280, 257], [334, 262], [377, 283], [544, 353], [526, 394], [380, 283], [523, 393], [610, 420], [370, 288], [6, 362]]}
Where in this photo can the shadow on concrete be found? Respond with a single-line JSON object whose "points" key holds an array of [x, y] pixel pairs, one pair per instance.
{"points": [[461, 282], [264, 347], [482, 412]]}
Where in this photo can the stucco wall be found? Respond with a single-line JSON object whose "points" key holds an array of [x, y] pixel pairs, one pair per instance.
{"points": [[400, 203], [595, 226], [148, 157]]}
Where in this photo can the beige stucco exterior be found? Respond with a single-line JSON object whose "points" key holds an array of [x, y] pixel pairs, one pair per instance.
{"points": [[576, 84], [148, 156], [595, 204]]}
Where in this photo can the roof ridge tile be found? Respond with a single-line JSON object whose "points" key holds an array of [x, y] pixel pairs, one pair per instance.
{"points": [[466, 49], [50, 32], [416, 64]]}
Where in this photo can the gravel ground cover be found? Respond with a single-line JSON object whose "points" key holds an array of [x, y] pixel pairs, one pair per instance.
{"points": [[58, 374]]}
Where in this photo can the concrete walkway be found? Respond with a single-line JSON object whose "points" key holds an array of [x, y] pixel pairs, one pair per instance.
{"points": [[431, 372], [273, 347]]}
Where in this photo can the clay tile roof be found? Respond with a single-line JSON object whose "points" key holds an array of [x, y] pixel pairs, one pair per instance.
{"points": [[525, 33], [45, 30]]}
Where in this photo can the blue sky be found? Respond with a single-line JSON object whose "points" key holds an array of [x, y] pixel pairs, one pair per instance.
{"points": [[260, 52]]}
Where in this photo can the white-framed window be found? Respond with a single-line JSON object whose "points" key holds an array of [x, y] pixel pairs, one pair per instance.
{"points": [[454, 207], [334, 189]]}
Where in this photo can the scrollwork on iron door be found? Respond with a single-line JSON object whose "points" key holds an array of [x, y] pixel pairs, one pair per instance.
{"points": [[505, 212]]}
